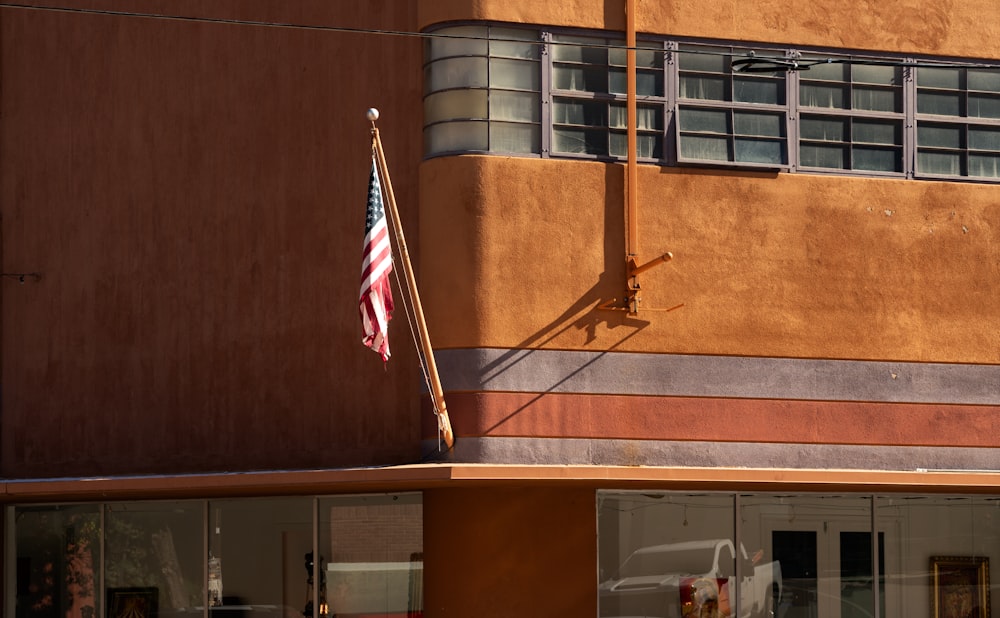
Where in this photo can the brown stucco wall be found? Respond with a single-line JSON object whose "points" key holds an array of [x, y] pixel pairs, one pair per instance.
{"points": [[953, 27], [512, 551], [193, 195], [764, 265]]}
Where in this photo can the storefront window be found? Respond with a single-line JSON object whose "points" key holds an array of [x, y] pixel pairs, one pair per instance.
{"points": [[258, 552], [153, 556], [666, 554], [371, 561], [799, 556], [57, 561]]}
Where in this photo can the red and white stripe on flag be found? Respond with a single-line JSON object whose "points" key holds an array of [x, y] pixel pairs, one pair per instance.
{"points": [[376, 293]]}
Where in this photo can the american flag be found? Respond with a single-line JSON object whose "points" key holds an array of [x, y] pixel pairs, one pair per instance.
{"points": [[376, 294]]}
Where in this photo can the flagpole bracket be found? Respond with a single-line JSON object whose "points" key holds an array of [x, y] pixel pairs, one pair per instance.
{"points": [[633, 292]]}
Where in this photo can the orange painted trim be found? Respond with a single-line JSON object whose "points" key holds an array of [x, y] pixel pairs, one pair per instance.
{"points": [[722, 420], [430, 476]]}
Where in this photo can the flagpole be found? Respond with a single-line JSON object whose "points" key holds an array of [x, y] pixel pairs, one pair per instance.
{"points": [[437, 393]]}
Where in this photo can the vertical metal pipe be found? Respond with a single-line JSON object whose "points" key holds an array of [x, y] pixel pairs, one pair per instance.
{"points": [[631, 215]]}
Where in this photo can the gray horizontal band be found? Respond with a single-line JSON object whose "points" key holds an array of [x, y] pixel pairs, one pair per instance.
{"points": [[575, 451], [622, 373]]}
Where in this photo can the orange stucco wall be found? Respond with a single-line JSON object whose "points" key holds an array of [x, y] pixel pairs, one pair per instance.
{"points": [[774, 265], [952, 27]]}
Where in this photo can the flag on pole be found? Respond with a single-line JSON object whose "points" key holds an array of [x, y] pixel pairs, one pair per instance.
{"points": [[376, 293]]}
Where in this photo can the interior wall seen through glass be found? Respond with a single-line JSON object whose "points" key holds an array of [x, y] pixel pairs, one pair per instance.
{"points": [[371, 555], [258, 548]]}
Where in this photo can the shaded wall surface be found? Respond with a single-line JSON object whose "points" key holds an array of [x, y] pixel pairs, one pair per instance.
{"points": [[193, 197]]}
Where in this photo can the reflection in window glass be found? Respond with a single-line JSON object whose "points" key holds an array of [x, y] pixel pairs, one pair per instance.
{"points": [[157, 545], [261, 549], [58, 557], [372, 548], [661, 554]]}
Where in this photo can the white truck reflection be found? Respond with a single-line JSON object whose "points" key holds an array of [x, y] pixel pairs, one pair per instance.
{"points": [[692, 579]]}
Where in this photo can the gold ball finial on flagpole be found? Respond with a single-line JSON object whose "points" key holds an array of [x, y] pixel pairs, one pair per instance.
{"points": [[372, 114]]}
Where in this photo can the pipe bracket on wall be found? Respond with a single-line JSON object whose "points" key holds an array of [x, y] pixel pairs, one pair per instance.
{"points": [[633, 293]]}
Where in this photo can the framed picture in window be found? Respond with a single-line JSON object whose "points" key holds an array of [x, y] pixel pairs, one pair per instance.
{"points": [[136, 602], [960, 587]]}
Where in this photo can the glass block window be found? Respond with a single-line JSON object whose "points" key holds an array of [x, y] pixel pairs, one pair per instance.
{"points": [[482, 90], [725, 116]]}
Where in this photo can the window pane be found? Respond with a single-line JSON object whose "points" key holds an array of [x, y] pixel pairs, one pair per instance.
{"points": [[517, 106], [877, 159], [261, 546], [939, 163], [812, 155], [984, 106], [519, 74], [984, 139], [832, 71], [373, 552], [711, 88], [511, 137], [715, 121], [455, 136], [709, 61], [939, 103], [455, 73], [58, 561], [878, 99], [708, 148], [580, 78], [647, 118], [771, 125], [589, 50], [590, 113], [988, 81], [829, 96], [647, 83], [938, 78], [450, 42], [509, 49], [877, 132], [826, 129], [455, 104], [760, 151], [877, 74], [158, 545], [649, 146], [686, 540], [939, 136], [984, 165], [580, 141], [759, 90]]}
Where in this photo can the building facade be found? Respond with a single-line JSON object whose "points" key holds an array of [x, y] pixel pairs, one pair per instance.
{"points": [[713, 289]]}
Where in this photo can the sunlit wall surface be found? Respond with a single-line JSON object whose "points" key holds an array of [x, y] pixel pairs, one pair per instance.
{"points": [[795, 556]]}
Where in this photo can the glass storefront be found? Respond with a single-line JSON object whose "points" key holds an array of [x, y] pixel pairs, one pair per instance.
{"points": [[720, 555], [237, 558]]}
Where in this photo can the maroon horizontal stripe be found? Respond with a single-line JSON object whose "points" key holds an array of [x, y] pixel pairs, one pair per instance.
{"points": [[557, 415]]}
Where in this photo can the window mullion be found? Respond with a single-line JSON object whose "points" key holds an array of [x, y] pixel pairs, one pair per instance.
{"points": [[546, 88], [792, 99], [909, 120]]}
